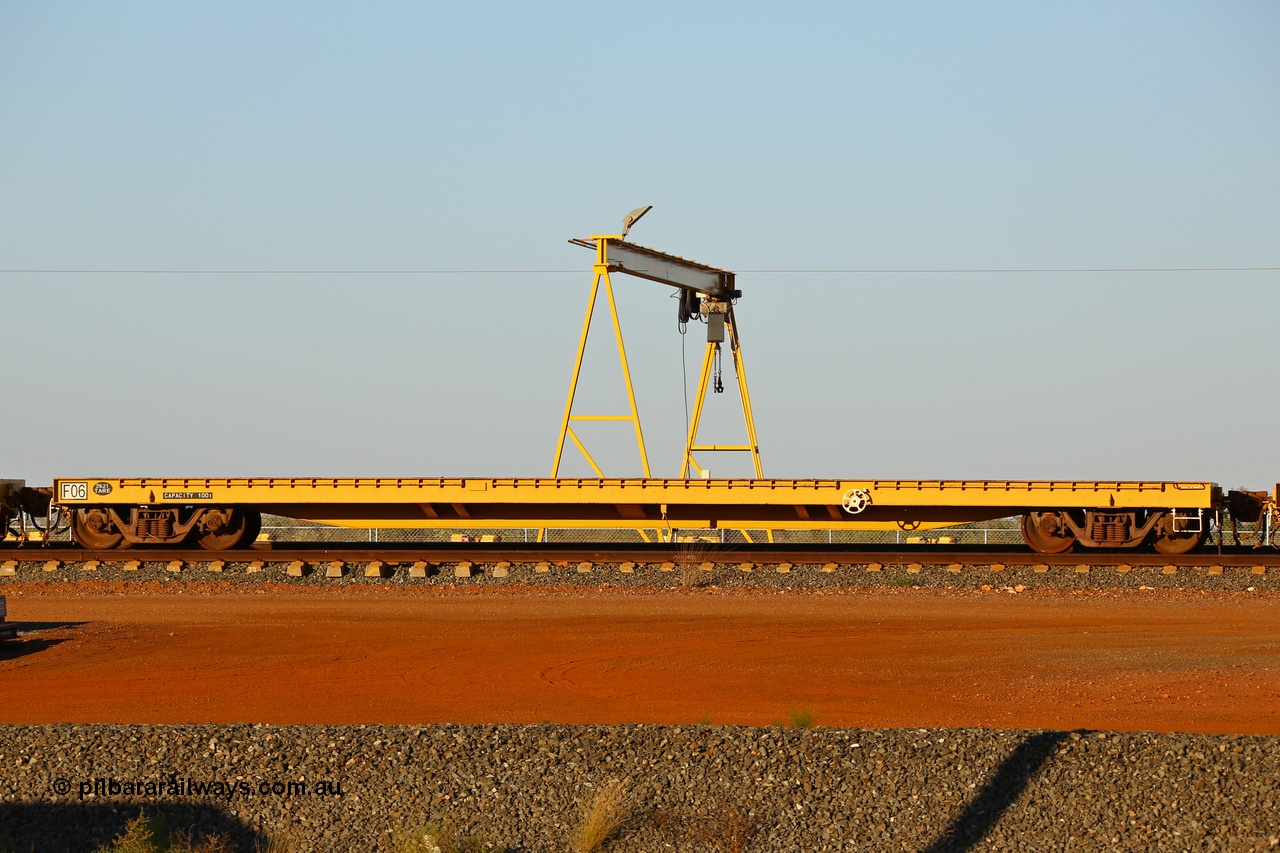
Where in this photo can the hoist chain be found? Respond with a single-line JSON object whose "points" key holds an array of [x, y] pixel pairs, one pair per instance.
{"points": [[717, 384]]}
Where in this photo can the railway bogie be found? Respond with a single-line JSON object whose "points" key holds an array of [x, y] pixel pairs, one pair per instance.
{"points": [[212, 528], [1169, 531]]}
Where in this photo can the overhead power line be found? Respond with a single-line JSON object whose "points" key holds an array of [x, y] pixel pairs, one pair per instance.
{"points": [[279, 272], [1021, 270], [851, 271]]}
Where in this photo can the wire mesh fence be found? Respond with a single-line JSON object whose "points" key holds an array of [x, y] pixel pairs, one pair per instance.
{"points": [[1005, 531], [279, 529], [996, 532]]}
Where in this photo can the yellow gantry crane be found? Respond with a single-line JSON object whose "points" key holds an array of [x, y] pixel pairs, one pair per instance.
{"points": [[705, 292]]}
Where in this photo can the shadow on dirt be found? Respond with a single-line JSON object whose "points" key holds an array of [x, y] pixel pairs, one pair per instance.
{"points": [[29, 627], [23, 646], [26, 644], [1000, 792], [83, 827]]}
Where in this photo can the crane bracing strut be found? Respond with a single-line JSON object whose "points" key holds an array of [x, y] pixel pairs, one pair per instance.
{"points": [[704, 291]]}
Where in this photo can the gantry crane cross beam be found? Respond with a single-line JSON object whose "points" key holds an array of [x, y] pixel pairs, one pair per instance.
{"points": [[616, 255], [706, 291]]}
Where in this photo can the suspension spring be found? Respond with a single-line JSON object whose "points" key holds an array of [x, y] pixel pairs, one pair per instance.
{"points": [[1110, 529], [155, 524]]}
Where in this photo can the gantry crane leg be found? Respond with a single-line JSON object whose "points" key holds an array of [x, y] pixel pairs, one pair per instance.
{"points": [[566, 428], [695, 422]]}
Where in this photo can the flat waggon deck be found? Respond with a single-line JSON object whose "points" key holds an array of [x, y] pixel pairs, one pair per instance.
{"points": [[796, 504]]}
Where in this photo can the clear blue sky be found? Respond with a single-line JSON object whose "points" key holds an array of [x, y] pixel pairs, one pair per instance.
{"points": [[480, 136]]}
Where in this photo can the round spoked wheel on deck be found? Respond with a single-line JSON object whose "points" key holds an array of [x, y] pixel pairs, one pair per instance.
{"points": [[1047, 532]]}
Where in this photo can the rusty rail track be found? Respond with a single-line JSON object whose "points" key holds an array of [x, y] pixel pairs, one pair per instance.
{"points": [[605, 553]]}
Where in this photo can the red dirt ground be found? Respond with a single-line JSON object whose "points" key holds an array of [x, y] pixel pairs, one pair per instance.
{"points": [[1165, 661]]}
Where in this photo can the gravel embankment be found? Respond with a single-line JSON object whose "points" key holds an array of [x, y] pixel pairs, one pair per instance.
{"points": [[724, 573], [522, 786]]}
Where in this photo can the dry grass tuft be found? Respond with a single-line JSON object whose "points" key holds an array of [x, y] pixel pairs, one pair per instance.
{"points": [[611, 807], [689, 556], [280, 842], [184, 843], [439, 838], [138, 837], [144, 835], [802, 718], [691, 576], [731, 831]]}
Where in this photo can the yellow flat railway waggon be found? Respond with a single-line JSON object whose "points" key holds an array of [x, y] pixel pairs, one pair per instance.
{"points": [[221, 513]]}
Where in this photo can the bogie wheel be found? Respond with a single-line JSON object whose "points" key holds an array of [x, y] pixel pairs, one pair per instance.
{"points": [[1047, 533], [253, 526], [1173, 544], [235, 531], [93, 529]]}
